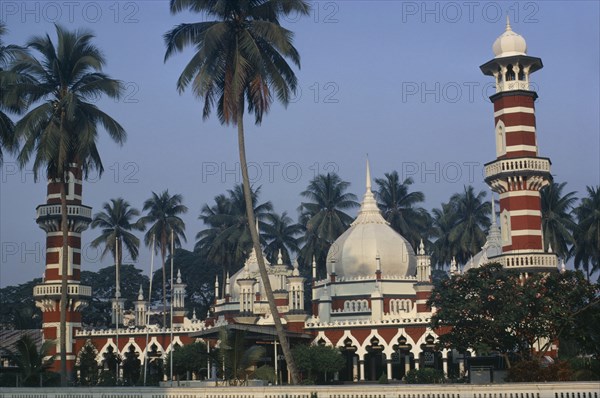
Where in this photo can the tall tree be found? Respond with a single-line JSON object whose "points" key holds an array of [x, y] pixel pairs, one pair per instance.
{"points": [[8, 78], [239, 57], [324, 216], [63, 129], [227, 241], [472, 222], [557, 220], [587, 232], [444, 220], [400, 207], [281, 232], [117, 223], [163, 213]]}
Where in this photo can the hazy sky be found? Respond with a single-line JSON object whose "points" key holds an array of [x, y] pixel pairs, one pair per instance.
{"points": [[398, 80]]}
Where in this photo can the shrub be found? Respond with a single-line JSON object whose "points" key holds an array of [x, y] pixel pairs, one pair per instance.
{"points": [[424, 376], [534, 371]]}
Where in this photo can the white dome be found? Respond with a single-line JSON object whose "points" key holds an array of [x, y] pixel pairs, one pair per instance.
{"points": [[356, 250], [509, 43]]}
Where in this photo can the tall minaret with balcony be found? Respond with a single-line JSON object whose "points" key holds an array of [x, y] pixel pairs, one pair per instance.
{"points": [[518, 173], [47, 294]]}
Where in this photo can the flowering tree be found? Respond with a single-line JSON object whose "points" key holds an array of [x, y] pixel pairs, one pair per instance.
{"points": [[490, 309]]}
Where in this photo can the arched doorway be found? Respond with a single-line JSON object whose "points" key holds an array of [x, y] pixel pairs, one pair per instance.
{"points": [[350, 370], [429, 356], [374, 360], [403, 359]]}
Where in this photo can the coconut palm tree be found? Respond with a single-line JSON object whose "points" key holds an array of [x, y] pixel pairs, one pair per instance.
{"points": [[240, 56], [63, 129], [116, 222], [163, 214], [324, 216], [472, 222], [444, 220], [557, 220], [587, 232], [8, 53], [227, 241], [399, 207], [33, 363], [281, 233]]}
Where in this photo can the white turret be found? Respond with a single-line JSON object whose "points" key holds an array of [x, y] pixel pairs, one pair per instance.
{"points": [[140, 307]]}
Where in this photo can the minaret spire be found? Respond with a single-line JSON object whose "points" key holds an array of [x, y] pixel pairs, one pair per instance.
{"points": [[508, 28], [368, 175]]}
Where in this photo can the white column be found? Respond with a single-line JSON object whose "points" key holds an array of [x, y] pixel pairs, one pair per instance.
{"points": [[389, 369], [361, 364]]}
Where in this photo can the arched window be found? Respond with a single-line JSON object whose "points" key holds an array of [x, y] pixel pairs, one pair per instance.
{"points": [[500, 139], [521, 75], [510, 73]]}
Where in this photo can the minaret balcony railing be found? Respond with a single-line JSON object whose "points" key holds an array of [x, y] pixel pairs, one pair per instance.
{"points": [[511, 85], [56, 290], [54, 210], [517, 166], [527, 260]]}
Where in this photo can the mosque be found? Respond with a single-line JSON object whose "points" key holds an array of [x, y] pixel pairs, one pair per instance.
{"points": [[373, 302]]}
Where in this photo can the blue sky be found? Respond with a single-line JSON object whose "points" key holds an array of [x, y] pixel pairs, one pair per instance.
{"points": [[398, 80]]}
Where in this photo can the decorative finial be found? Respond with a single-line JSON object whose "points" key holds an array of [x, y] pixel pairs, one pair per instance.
{"points": [[279, 258], [453, 268], [296, 271], [140, 294], [563, 267], [216, 281], [508, 28], [178, 275], [368, 174], [314, 268], [549, 247], [422, 248], [194, 315], [378, 261]]}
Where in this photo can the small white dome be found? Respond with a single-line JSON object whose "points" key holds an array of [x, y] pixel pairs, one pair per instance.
{"points": [[355, 252], [509, 43]]}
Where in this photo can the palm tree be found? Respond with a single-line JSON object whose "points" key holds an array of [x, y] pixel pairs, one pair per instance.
{"points": [[557, 220], [227, 241], [280, 232], [587, 232], [63, 129], [398, 206], [324, 217], [116, 222], [472, 221], [163, 213], [7, 128], [239, 57], [33, 363], [444, 220]]}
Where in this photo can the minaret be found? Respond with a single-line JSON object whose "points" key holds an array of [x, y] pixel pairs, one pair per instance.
{"points": [[518, 173], [178, 300], [140, 309], [47, 294]]}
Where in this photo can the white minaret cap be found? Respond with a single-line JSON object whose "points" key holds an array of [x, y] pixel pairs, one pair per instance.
{"points": [[509, 43], [179, 276], [279, 258], [140, 294]]}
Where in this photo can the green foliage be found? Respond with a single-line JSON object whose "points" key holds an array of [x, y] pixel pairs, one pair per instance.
{"points": [[587, 232], [107, 379], [98, 313], [557, 218], [266, 373], [534, 371], [18, 310], [191, 358], [87, 366], [424, 376], [383, 379], [400, 207], [490, 308], [324, 217], [317, 361], [32, 362], [585, 369], [238, 357]]}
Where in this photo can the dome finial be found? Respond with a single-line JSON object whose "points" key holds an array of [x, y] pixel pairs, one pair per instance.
{"points": [[508, 28], [368, 174]]}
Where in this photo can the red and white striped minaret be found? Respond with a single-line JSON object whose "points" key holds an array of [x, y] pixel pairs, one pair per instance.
{"points": [[47, 294], [518, 173]]}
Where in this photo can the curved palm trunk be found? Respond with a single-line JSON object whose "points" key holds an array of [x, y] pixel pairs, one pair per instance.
{"points": [[256, 244], [163, 253]]}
